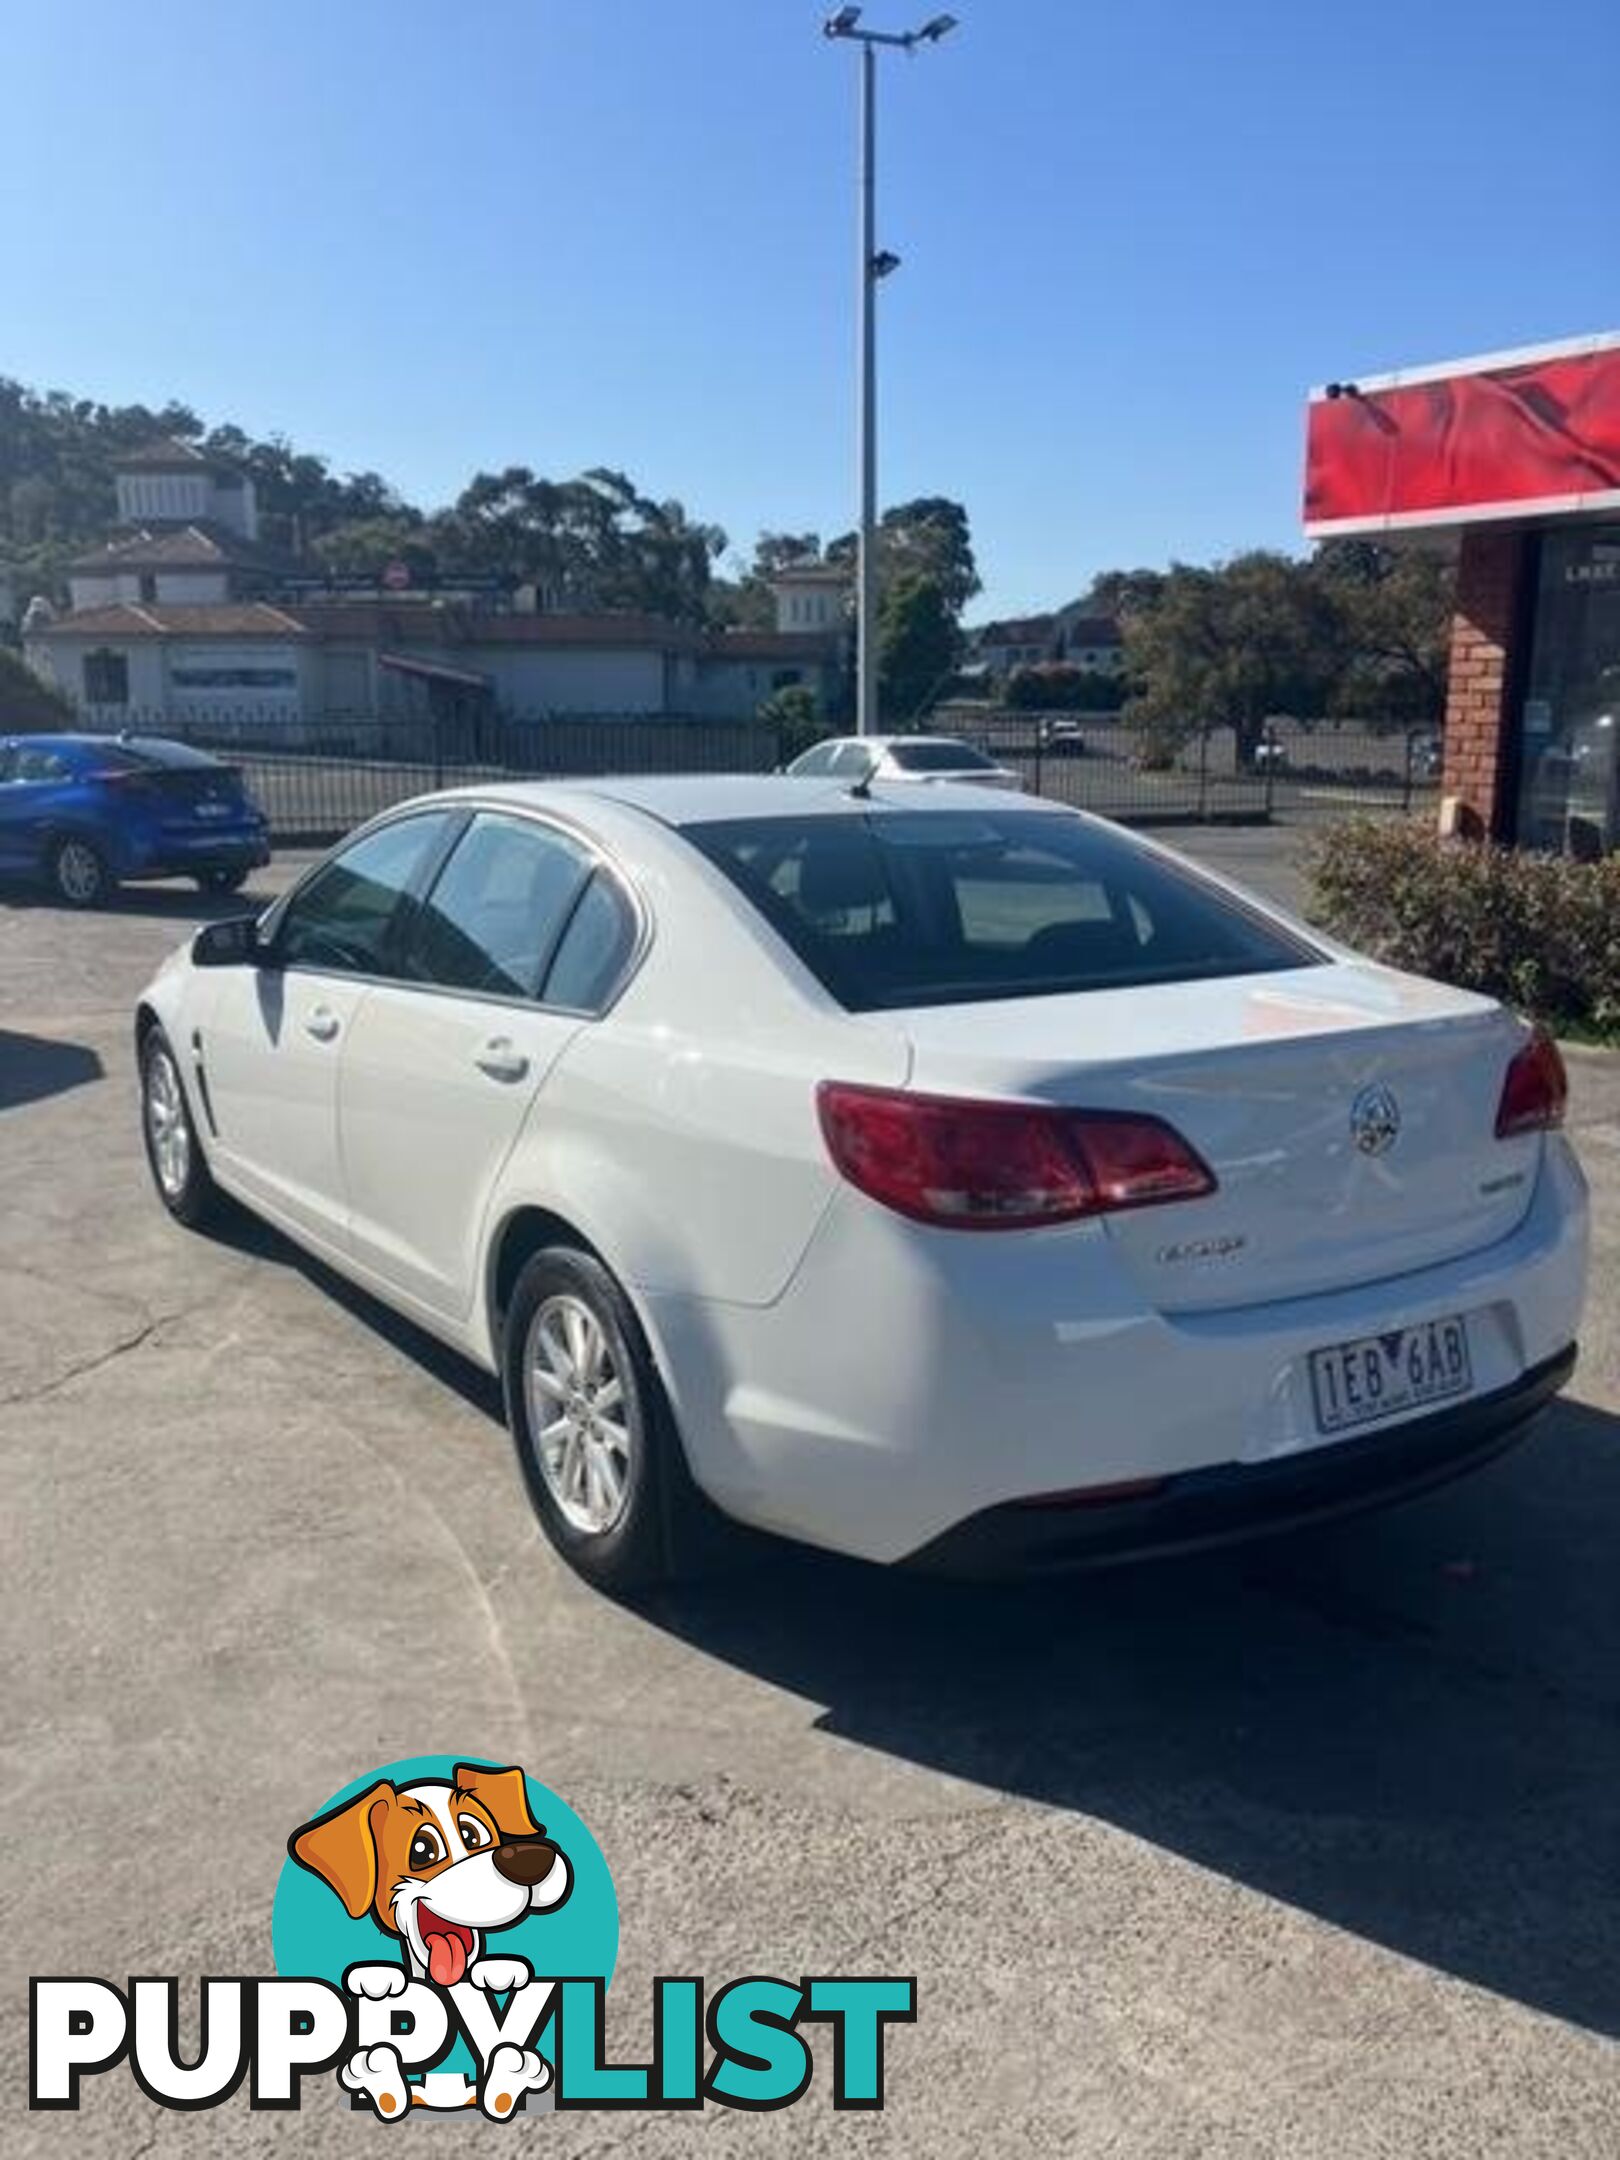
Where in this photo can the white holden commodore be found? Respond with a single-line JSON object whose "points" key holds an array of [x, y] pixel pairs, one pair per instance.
{"points": [[925, 1176]]}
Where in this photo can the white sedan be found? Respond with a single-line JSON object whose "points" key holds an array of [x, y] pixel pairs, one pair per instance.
{"points": [[922, 1174], [915, 760]]}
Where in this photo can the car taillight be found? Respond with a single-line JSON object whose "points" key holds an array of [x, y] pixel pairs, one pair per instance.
{"points": [[975, 1165], [1534, 1091]]}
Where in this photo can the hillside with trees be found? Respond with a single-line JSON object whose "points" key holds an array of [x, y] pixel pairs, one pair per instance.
{"points": [[593, 542]]}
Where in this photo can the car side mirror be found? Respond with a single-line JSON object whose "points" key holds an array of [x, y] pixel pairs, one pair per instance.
{"points": [[234, 942]]}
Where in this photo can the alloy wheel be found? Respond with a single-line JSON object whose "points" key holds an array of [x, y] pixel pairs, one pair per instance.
{"points": [[167, 1124], [585, 1422], [79, 874]]}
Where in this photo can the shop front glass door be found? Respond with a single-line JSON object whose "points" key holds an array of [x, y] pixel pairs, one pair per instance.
{"points": [[1569, 777]]}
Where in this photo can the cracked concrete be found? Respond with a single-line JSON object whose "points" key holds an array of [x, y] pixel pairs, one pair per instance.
{"points": [[1313, 1852]]}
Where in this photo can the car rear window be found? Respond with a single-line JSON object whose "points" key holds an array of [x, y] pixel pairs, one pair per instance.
{"points": [[897, 908], [939, 757]]}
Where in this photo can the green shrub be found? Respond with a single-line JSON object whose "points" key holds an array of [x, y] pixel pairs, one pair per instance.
{"points": [[1539, 931], [1056, 686]]}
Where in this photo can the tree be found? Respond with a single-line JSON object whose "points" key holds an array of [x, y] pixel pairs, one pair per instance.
{"points": [[593, 543], [25, 701], [1230, 646], [366, 546], [1397, 604], [929, 538], [919, 647], [792, 712], [1121, 593]]}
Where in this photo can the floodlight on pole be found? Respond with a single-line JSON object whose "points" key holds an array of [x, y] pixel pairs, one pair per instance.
{"points": [[875, 265]]}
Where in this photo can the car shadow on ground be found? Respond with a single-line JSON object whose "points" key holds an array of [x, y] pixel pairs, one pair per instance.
{"points": [[181, 902], [33, 1067], [1404, 1724]]}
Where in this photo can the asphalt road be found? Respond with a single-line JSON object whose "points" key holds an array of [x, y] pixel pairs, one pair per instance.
{"points": [[1313, 1851]]}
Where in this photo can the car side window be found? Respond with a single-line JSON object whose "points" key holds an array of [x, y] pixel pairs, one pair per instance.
{"points": [[33, 764], [855, 758], [595, 949], [814, 762], [497, 908], [342, 920]]}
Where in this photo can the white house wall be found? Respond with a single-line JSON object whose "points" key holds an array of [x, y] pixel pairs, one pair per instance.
{"points": [[564, 680]]}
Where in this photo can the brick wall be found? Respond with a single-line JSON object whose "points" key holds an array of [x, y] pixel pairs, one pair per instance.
{"points": [[1490, 572]]}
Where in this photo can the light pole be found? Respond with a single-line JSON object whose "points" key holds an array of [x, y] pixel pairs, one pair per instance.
{"points": [[873, 267]]}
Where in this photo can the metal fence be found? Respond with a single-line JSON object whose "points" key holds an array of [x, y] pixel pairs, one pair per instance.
{"points": [[1298, 770], [318, 777]]}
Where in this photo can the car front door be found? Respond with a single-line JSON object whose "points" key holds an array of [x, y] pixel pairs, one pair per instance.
{"points": [[442, 1066], [270, 1040]]}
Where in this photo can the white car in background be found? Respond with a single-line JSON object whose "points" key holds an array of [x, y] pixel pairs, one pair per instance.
{"points": [[925, 759], [923, 1174]]}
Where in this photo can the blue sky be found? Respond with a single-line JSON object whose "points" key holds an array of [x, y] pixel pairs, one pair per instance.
{"points": [[425, 238]]}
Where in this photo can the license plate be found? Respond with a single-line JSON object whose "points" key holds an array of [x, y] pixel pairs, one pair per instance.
{"points": [[213, 808], [1379, 1376]]}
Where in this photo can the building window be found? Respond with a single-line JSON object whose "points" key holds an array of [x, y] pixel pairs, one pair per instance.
{"points": [[233, 678], [106, 679]]}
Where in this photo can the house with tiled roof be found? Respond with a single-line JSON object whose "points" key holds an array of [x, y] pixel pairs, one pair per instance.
{"points": [[1069, 635], [302, 663], [181, 616]]}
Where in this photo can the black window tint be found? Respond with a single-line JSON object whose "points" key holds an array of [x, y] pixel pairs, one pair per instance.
{"points": [[493, 915], [342, 918], [917, 908], [595, 950], [939, 757]]}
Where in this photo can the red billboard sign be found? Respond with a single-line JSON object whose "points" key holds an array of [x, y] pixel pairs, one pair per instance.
{"points": [[1525, 434]]}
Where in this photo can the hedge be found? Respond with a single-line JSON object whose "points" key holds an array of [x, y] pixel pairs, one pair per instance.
{"points": [[1542, 932]]}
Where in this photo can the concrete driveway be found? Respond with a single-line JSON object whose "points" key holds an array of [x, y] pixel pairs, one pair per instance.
{"points": [[1313, 1851]]}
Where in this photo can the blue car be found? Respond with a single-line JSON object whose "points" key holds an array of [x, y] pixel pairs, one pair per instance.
{"points": [[84, 812]]}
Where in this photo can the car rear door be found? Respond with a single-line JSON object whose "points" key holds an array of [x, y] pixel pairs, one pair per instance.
{"points": [[442, 1066], [270, 1038]]}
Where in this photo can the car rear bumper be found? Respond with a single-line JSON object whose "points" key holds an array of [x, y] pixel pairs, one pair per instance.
{"points": [[175, 855], [908, 1381], [1235, 1501]]}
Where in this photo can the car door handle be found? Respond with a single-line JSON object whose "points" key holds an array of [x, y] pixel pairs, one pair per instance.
{"points": [[321, 1022], [501, 1059]]}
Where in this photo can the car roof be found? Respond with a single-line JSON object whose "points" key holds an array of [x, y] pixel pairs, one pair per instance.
{"points": [[702, 798]]}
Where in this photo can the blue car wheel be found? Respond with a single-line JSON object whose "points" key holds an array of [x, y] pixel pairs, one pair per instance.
{"points": [[78, 872]]}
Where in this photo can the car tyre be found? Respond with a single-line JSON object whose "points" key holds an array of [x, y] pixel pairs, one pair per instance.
{"points": [[174, 1153], [78, 872], [595, 1437], [221, 881]]}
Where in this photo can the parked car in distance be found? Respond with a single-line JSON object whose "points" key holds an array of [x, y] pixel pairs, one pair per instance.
{"points": [[1269, 752], [1062, 738], [83, 813], [928, 759], [927, 1175], [1427, 756]]}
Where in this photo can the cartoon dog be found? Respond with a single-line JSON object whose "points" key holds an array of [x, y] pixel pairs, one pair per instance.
{"points": [[439, 1865]]}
